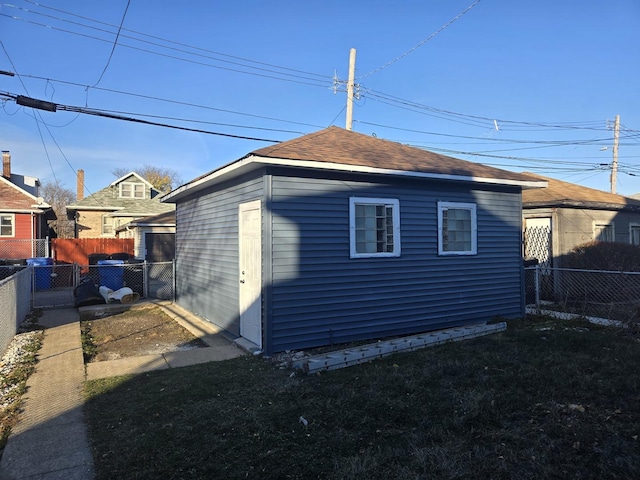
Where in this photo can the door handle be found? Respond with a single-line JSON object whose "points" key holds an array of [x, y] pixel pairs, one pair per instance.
{"points": [[241, 281]]}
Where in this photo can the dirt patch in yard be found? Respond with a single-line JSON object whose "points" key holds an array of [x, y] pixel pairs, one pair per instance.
{"points": [[139, 331]]}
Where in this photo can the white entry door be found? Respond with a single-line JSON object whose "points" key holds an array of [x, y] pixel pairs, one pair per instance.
{"points": [[250, 274]]}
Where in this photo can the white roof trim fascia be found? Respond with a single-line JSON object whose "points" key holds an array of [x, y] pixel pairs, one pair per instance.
{"points": [[24, 192], [144, 224], [20, 210], [222, 171], [121, 179], [131, 214], [82, 207], [347, 168]]}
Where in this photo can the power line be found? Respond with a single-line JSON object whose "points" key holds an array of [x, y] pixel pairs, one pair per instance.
{"points": [[388, 64], [323, 76], [89, 111], [308, 81], [481, 121], [175, 102], [188, 120], [490, 139], [115, 42], [99, 113]]}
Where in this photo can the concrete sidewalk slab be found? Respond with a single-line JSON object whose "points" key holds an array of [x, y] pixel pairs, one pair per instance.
{"points": [[50, 442], [220, 347], [202, 355], [126, 366]]}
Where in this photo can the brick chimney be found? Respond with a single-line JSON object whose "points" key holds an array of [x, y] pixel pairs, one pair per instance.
{"points": [[6, 164], [80, 185]]}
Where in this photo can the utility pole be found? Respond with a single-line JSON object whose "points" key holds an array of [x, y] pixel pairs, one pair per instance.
{"points": [[350, 85], [614, 165]]}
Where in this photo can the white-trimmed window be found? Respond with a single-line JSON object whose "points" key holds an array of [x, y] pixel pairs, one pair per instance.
{"points": [[7, 224], [131, 190], [107, 225], [634, 234], [457, 228], [374, 225], [603, 232]]}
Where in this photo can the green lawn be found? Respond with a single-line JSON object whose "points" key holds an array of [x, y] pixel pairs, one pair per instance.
{"points": [[545, 399]]}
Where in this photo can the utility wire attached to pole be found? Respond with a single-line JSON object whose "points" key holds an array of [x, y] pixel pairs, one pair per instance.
{"points": [[422, 42]]}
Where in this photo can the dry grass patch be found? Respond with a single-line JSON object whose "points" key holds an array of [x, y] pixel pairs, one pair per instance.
{"points": [[545, 399], [139, 331]]}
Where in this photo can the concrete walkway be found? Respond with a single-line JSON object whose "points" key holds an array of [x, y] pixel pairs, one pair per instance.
{"points": [[50, 442]]}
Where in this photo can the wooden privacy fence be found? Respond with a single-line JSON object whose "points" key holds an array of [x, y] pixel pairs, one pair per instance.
{"points": [[77, 250]]}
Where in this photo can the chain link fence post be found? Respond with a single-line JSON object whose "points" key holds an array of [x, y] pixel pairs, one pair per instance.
{"points": [[537, 286], [145, 278], [173, 262]]}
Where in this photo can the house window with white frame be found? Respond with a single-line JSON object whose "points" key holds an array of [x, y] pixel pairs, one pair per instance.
{"points": [[131, 190], [374, 225], [634, 234], [6, 225], [107, 225], [457, 228], [603, 232]]}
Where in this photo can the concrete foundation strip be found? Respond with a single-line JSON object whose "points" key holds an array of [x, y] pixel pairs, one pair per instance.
{"points": [[366, 353]]}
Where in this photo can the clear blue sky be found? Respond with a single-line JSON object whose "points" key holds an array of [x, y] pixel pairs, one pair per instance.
{"points": [[552, 74]]}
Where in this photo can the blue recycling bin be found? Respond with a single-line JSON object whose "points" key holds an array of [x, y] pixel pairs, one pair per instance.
{"points": [[43, 270], [111, 274]]}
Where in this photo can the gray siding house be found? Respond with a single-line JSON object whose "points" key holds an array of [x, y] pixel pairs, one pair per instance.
{"points": [[337, 236], [564, 215]]}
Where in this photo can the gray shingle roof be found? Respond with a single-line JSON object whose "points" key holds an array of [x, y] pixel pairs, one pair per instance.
{"points": [[565, 194], [337, 149], [108, 199], [337, 145]]}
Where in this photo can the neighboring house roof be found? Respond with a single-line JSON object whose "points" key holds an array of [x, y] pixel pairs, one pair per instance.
{"points": [[14, 198], [340, 150], [131, 174], [108, 199], [565, 194], [167, 219]]}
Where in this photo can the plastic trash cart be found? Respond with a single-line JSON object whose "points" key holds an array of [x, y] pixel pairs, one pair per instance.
{"points": [[111, 274], [43, 270]]}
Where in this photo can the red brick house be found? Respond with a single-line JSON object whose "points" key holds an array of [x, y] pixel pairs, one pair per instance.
{"points": [[22, 214]]}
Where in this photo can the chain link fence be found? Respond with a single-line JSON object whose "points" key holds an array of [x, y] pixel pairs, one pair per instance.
{"points": [[13, 250], [54, 285], [595, 293], [15, 298]]}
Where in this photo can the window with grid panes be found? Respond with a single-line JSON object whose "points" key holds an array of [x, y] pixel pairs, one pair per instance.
{"points": [[131, 190], [603, 232], [6, 225], [375, 227], [457, 228], [107, 225]]}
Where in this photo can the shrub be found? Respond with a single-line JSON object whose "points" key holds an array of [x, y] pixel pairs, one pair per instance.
{"points": [[604, 256]]}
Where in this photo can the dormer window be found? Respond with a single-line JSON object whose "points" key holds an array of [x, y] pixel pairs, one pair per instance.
{"points": [[131, 190]]}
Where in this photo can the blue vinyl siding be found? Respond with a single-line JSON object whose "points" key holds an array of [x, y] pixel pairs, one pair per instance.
{"points": [[318, 295], [207, 251], [313, 293]]}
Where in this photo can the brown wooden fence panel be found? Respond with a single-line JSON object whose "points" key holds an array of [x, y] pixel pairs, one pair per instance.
{"points": [[77, 250]]}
